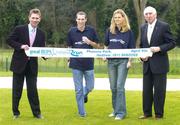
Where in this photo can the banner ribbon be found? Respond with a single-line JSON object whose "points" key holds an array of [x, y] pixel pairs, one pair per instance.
{"points": [[88, 53]]}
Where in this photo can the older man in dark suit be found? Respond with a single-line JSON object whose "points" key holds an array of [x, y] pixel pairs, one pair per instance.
{"points": [[21, 39], [156, 35]]}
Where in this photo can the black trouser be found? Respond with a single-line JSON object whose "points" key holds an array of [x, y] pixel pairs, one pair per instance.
{"points": [[32, 93], [154, 91]]}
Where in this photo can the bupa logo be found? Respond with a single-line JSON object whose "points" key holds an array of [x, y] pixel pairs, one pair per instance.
{"points": [[76, 53]]}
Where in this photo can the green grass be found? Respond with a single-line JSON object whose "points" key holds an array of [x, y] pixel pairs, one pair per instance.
{"points": [[97, 75], [59, 108]]}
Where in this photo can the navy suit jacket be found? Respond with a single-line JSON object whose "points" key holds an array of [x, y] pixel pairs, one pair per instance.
{"points": [[163, 38], [18, 37]]}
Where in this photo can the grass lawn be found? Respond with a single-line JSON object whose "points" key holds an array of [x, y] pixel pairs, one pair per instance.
{"points": [[97, 75], [59, 108]]}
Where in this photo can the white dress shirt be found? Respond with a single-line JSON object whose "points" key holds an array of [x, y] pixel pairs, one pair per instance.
{"points": [[32, 34], [150, 30]]}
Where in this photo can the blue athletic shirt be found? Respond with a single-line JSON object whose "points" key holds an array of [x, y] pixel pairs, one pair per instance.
{"points": [[74, 40], [120, 40]]}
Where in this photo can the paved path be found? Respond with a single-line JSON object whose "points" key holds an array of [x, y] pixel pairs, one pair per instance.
{"points": [[100, 83]]}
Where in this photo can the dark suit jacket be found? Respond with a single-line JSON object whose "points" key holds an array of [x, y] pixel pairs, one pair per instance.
{"points": [[163, 38], [18, 37]]}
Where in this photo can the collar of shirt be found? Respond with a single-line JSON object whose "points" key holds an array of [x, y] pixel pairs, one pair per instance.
{"points": [[83, 30], [153, 24], [31, 29]]}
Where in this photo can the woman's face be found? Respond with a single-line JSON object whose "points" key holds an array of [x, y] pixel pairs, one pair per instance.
{"points": [[118, 19]]}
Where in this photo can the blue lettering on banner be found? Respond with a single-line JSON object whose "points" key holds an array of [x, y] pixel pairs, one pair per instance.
{"points": [[46, 52], [109, 53], [129, 54], [93, 51], [143, 50], [76, 53], [116, 55], [106, 51], [135, 50], [34, 52], [103, 55]]}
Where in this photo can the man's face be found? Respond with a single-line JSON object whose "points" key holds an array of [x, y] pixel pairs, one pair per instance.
{"points": [[81, 20], [34, 19], [150, 17]]}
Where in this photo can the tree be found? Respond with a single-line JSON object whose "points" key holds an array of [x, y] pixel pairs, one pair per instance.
{"points": [[12, 13], [167, 10], [59, 15], [139, 6]]}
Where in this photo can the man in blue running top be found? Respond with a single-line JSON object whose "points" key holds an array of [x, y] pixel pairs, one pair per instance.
{"points": [[82, 36]]}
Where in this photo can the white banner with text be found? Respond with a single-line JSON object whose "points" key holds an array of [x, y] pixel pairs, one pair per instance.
{"points": [[87, 53]]}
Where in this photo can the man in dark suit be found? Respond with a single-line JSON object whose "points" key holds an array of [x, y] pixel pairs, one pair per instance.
{"points": [[157, 36], [23, 37]]}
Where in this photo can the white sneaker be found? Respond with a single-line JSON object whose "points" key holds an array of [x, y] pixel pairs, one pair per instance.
{"points": [[118, 118], [111, 115], [82, 116]]}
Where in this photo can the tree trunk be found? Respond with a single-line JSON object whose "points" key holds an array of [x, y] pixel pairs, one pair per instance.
{"points": [[139, 6]]}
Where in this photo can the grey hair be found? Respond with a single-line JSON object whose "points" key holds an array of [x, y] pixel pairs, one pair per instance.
{"points": [[150, 9]]}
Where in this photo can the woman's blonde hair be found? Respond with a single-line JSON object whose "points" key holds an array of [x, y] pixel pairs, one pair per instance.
{"points": [[125, 26]]}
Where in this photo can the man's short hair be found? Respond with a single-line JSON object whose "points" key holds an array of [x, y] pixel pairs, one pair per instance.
{"points": [[81, 13], [150, 9], [36, 11]]}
